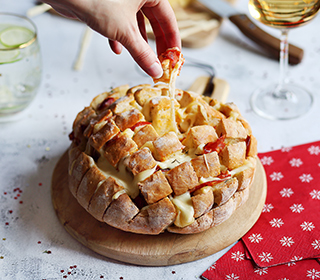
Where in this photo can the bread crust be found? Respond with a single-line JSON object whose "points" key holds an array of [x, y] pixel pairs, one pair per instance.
{"points": [[155, 218], [182, 178], [155, 187], [102, 198]]}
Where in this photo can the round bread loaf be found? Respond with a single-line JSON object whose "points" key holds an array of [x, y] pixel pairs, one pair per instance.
{"points": [[135, 168]]}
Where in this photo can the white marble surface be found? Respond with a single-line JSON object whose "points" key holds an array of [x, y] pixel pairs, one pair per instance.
{"points": [[31, 146]]}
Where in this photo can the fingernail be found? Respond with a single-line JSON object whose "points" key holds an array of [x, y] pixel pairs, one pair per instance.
{"points": [[155, 70]]}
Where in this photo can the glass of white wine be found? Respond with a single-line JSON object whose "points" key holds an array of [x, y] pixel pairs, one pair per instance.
{"points": [[283, 100], [20, 64]]}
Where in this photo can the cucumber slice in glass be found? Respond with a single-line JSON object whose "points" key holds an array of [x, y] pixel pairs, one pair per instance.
{"points": [[15, 36]]}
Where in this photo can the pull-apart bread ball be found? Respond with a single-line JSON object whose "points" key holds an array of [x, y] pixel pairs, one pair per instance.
{"points": [[144, 161]]}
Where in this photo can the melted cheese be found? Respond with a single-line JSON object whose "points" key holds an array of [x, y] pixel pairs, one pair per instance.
{"points": [[71, 167], [117, 194], [184, 207], [248, 164], [128, 132], [172, 91], [143, 175], [208, 179], [122, 176], [176, 159], [98, 126]]}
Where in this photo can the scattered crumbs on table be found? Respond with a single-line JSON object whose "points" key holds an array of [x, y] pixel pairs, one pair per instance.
{"points": [[47, 252], [69, 272], [42, 160], [1, 257], [4, 238]]}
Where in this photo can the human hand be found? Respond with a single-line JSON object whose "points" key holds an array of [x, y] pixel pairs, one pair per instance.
{"points": [[122, 21]]}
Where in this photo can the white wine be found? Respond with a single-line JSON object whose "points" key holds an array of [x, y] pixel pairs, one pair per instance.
{"points": [[283, 13]]}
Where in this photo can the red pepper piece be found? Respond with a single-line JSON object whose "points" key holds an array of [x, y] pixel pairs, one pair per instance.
{"points": [[106, 103], [216, 146], [139, 124]]}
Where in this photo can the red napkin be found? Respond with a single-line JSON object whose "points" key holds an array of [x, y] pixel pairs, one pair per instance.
{"points": [[289, 226], [235, 266], [288, 230]]}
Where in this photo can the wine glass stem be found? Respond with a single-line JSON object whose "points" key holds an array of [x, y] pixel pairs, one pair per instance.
{"points": [[284, 46]]}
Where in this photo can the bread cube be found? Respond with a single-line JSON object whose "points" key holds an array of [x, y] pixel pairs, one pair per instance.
{"points": [[128, 119], [145, 134], [107, 131], [200, 135], [224, 191], [246, 176], [207, 165], [252, 149], [155, 187], [82, 121], [167, 145], [102, 198], [232, 129], [139, 161], [88, 186], [202, 202], [118, 147], [120, 212], [99, 119], [154, 218], [115, 93], [142, 95], [78, 169], [182, 178], [122, 104], [233, 155]]}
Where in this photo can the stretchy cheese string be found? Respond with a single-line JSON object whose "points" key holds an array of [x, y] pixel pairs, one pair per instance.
{"points": [[172, 90]]}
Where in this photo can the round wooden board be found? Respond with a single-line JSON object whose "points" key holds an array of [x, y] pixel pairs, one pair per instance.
{"points": [[160, 250]]}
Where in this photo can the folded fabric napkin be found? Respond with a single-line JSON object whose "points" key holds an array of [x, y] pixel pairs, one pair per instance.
{"points": [[288, 229], [235, 266]]}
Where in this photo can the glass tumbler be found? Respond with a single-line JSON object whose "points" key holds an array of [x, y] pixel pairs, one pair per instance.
{"points": [[20, 63]]}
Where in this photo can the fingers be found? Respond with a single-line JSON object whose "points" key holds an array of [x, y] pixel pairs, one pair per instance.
{"points": [[145, 57], [115, 46], [142, 26], [164, 25]]}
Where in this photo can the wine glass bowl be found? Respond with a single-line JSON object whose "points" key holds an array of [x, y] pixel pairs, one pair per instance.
{"points": [[282, 100]]}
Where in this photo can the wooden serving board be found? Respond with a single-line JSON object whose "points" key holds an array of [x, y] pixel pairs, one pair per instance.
{"points": [[159, 250]]}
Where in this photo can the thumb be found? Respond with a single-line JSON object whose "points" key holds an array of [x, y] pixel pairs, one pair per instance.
{"points": [[145, 57]]}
